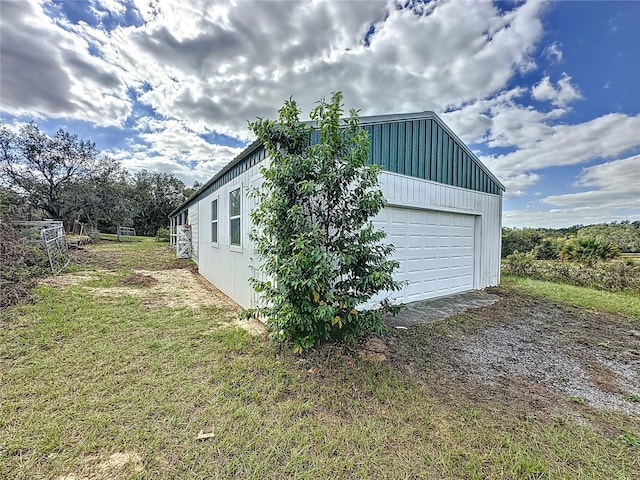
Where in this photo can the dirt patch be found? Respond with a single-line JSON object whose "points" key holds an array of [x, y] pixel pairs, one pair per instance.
{"points": [[92, 257], [374, 349], [174, 288], [178, 288], [117, 465], [68, 279], [525, 353], [112, 256], [139, 280]]}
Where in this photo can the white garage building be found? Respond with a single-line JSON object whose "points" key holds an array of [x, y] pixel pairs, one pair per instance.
{"points": [[443, 213]]}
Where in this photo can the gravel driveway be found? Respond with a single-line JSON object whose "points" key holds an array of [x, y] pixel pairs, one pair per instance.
{"points": [[523, 352]]}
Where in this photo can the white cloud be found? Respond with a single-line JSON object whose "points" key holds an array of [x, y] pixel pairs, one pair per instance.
{"points": [[233, 62], [560, 218], [517, 184], [104, 8], [563, 94], [207, 67], [541, 145], [47, 70], [553, 52], [171, 146], [611, 194], [534, 139], [616, 185]]}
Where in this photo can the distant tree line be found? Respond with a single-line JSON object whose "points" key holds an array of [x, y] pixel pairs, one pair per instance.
{"points": [[546, 243], [65, 178]]}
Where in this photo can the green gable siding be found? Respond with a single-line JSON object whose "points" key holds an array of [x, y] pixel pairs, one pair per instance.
{"points": [[425, 149], [416, 145]]}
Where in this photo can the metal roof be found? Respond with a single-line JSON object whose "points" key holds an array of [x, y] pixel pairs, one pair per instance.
{"points": [[364, 121]]}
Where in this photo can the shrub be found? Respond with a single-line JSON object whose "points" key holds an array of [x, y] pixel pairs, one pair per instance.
{"points": [[314, 231], [548, 249], [588, 250], [625, 235], [519, 264], [615, 276], [163, 235], [21, 264], [519, 240]]}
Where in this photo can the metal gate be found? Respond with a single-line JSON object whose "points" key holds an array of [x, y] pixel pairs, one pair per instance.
{"points": [[55, 244], [183, 244]]}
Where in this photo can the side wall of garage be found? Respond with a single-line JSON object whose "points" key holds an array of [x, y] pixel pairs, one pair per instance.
{"points": [[224, 264], [447, 239], [194, 215]]}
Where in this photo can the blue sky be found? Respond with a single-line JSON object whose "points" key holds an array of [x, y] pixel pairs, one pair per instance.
{"points": [[546, 93]]}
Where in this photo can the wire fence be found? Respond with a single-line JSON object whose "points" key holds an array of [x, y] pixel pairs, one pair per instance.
{"points": [[126, 233]]}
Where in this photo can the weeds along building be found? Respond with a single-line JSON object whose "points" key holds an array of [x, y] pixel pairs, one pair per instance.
{"points": [[443, 213]]}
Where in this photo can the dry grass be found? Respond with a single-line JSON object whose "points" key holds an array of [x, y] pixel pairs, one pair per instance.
{"points": [[119, 386]]}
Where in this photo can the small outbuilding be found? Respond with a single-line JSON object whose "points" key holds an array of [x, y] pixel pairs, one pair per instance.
{"points": [[443, 213]]}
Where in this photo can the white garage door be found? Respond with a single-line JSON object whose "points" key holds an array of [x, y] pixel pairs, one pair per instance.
{"points": [[435, 251]]}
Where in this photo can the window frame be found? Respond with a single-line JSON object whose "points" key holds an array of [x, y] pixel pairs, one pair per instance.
{"points": [[216, 222], [235, 246]]}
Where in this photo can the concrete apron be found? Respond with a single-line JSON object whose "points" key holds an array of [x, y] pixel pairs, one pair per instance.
{"points": [[429, 311]]}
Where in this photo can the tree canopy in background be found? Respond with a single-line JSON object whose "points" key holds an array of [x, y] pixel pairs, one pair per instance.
{"points": [[155, 195], [46, 170], [547, 243], [66, 178]]}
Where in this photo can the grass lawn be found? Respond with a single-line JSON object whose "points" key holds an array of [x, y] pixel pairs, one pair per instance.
{"points": [[104, 378], [627, 304]]}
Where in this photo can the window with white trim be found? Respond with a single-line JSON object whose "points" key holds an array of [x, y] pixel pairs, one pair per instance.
{"points": [[235, 209], [214, 221]]}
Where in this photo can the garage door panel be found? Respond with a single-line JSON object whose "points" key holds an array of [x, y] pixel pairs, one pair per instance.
{"points": [[399, 241], [414, 266], [415, 242], [434, 249], [399, 217], [416, 218]]}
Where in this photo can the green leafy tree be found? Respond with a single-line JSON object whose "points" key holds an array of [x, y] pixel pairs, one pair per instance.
{"points": [[103, 201], [520, 240], [313, 229], [44, 168], [155, 195], [189, 191], [15, 206], [625, 235], [548, 249]]}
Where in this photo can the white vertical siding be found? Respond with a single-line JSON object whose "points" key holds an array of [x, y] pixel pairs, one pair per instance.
{"points": [[194, 214], [229, 268]]}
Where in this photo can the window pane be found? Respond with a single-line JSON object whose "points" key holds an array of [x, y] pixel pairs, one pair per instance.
{"points": [[214, 210], [235, 231], [234, 203], [214, 232]]}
